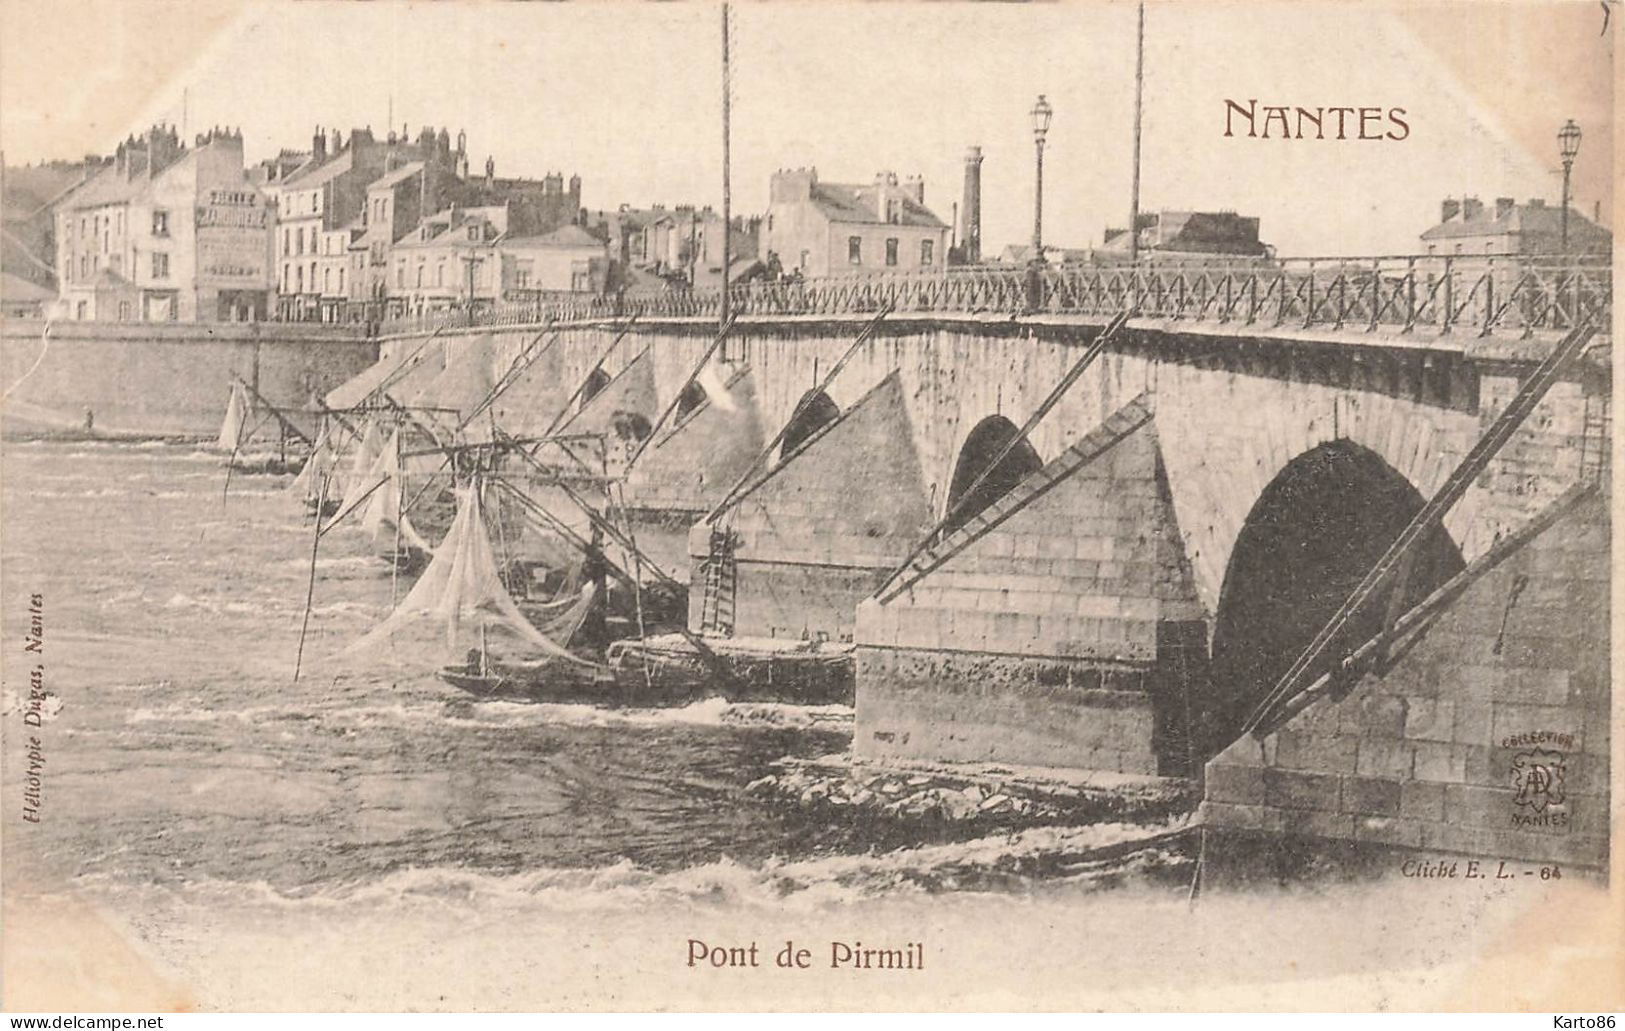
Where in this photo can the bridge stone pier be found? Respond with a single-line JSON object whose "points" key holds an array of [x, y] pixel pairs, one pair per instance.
{"points": [[1126, 584]]}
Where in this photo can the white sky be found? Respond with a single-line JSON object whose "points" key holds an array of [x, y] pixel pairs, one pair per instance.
{"points": [[628, 96]]}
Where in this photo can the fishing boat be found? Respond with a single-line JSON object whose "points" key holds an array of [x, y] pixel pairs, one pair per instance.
{"points": [[240, 435], [763, 669]]}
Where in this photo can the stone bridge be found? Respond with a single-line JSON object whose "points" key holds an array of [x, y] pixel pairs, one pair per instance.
{"points": [[1131, 577]]}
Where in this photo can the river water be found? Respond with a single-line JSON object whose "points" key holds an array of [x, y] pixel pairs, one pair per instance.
{"points": [[216, 815]]}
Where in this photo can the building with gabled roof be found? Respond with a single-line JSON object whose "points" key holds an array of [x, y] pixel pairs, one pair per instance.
{"points": [[567, 259], [28, 197], [23, 298], [657, 247], [449, 259], [1467, 226], [167, 233], [1180, 234], [820, 228]]}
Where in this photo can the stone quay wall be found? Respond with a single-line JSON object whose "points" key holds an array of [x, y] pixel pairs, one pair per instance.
{"points": [[163, 379]]}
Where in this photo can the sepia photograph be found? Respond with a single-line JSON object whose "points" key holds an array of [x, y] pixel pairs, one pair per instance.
{"points": [[1097, 505]]}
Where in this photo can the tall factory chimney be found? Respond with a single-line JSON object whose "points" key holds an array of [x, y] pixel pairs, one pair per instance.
{"points": [[971, 209]]}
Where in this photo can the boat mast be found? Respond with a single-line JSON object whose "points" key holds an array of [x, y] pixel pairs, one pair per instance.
{"points": [[1139, 91], [727, 189]]}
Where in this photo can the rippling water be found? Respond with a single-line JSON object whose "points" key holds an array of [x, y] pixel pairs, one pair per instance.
{"points": [[258, 840], [184, 751]]}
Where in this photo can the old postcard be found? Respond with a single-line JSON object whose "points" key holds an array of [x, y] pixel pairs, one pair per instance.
{"points": [[809, 506]]}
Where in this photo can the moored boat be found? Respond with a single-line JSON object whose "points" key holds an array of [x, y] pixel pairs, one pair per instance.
{"points": [[763, 669]]}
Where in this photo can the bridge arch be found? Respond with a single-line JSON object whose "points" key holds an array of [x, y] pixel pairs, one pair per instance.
{"points": [[982, 446], [692, 397], [597, 380], [816, 411], [1319, 526]]}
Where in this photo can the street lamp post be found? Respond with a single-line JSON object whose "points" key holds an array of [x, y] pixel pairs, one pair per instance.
{"points": [[473, 259], [1041, 115], [1568, 142]]}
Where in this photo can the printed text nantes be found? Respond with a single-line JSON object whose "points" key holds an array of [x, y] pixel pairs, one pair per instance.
{"points": [[1271, 122]]}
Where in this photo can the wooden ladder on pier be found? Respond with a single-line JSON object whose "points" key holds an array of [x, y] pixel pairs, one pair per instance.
{"points": [[1596, 436], [717, 616]]}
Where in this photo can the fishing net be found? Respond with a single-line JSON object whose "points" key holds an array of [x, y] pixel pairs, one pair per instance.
{"points": [[459, 604], [234, 428], [460, 387], [318, 467], [382, 520], [355, 482]]}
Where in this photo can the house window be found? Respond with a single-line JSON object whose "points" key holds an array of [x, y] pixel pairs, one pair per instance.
{"points": [[806, 256], [420, 275], [160, 222], [299, 241], [81, 311], [892, 212], [124, 311], [299, 279], [770, 223], [84, 267], [341, 280], [854, 249], [160, 265], [928, 252], [287, 240], [400, 276], [521, 274], [327, 280], [891, 250], [440, 274], [313, 275]]}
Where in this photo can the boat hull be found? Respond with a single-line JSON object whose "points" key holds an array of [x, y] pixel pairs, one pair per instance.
{"points": [[808, 676], [565, 683]]}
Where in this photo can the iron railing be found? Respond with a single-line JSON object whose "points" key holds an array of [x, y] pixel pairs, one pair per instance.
{"points": [[1408, 294]]}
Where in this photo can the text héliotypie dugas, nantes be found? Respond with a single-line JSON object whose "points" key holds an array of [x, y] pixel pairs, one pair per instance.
{"points": [[34, 709], [853, 955]]}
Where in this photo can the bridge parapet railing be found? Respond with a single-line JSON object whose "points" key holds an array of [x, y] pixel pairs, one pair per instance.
{"points": [[1408, 294]]}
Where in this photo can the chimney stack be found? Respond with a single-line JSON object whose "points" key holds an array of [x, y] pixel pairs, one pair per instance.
{"points": [[318, 146], [971, 208], [1471, 208], [1449, 209], [1503, 207]]}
